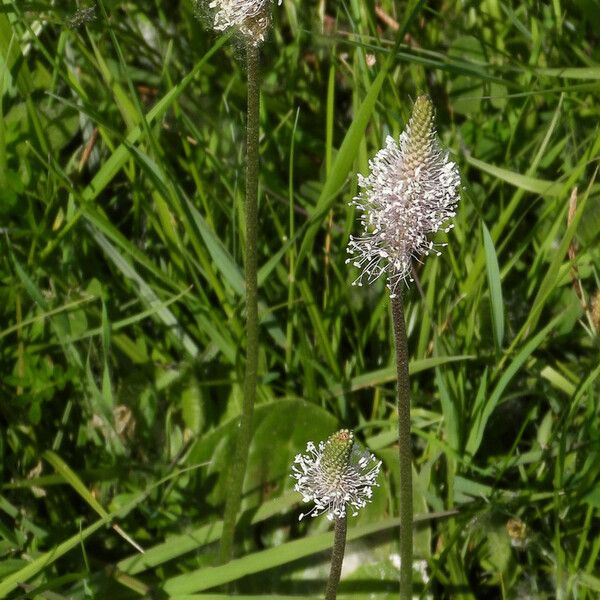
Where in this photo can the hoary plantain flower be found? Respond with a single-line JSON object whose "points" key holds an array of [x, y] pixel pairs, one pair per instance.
{"points": [[409, 195], [335, 475], [251, 17]]}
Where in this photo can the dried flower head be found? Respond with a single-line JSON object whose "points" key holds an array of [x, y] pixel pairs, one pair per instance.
{"points": [[517, 531], [334, 475], [82, 16], [409, 195], [251, 17], [596, 311]]}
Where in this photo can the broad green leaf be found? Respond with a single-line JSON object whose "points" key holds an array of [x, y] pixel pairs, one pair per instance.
{"points": [[284, 425]]}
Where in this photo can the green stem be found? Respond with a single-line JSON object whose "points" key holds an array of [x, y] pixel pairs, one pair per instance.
{"points": [[240, 460], [337, 557], [404, 447]]}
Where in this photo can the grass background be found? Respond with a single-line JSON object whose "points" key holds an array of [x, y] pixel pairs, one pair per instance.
{"points": [[121, 298]]}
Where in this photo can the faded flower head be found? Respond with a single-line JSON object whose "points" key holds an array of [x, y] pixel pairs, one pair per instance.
{"points": [[251, 17], [517, 531], [410, 194], [334, 475], [82, 16], [596, 311]]}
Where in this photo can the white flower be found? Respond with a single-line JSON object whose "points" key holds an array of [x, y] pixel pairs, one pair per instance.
{"points": [[410, 194], [334, 475], [251, 17]]}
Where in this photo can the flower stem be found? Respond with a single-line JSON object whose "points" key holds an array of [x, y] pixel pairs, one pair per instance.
{"points": [[404, 446], [240, 460], [337, 557]]}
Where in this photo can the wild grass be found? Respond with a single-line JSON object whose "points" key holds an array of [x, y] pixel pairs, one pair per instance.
{"points": [[122, 299]]}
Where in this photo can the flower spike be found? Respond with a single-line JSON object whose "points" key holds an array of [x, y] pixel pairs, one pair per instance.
{"points": [[335, 475], [409, 195]]}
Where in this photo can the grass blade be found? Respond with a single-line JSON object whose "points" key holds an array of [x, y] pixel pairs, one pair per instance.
{"points": [[495, 286]]}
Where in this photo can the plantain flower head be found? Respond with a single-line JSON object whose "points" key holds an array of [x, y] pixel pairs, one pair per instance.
{"points": [[409, 195], [251, 17], [334, 475]]}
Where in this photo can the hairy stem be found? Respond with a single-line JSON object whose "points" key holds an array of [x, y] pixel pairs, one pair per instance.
{"points": [[240, 460], [404, 446], [337, 557]]}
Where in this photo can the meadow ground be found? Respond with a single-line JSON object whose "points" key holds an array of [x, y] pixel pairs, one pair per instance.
{"points": [[122, 298]]}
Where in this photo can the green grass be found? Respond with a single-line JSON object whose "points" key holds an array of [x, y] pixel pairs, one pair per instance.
{"points": [[122, 299]]}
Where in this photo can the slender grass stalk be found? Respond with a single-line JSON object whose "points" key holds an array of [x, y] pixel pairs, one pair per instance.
{"points": [[240, 461], [404, 447], [337, 556]]}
